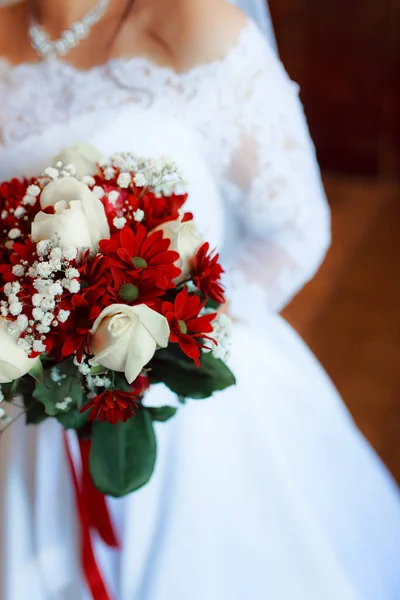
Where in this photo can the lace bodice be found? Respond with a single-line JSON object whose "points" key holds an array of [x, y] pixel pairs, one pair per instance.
{"points": [[249, 127]]}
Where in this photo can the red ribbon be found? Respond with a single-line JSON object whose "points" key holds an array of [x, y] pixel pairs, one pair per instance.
{"points": [[94, 515]]}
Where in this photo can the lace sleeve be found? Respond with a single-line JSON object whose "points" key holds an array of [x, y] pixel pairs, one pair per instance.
{"points": [[277, 198]]}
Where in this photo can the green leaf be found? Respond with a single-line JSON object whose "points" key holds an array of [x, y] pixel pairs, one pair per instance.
{"points": [[182, 376], [14, 388], [98, 370], [53, 393], [123, 456], [120, 383], [210, 303], [162, 413], [34, 411], [37, 372], [73, 419], [24, 387]]}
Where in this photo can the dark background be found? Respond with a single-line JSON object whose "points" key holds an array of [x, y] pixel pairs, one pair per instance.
{"points": [[346, 58]]}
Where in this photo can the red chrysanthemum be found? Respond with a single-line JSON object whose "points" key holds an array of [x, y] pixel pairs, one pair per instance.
{"points": [[25, 251], [207, 274], [84, 307], [188, 329], [74, 335], [112, 406], [14, 215], [140, 265], [96, 287], [157, 209]]}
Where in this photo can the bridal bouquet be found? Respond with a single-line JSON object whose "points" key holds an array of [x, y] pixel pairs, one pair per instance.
{"points": [[106, 289]]}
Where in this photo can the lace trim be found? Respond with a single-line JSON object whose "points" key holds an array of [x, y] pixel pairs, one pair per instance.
{"points": [[120, 81]]}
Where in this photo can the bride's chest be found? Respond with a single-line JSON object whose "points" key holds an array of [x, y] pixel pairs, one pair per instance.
{"points": [[34, 98]]}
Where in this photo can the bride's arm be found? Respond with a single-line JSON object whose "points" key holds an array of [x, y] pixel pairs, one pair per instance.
{"points": [[277, 194]]}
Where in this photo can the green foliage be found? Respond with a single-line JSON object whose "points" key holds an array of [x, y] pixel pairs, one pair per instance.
{"points": [[37, 372], [210, 303], [162, 413], [122, 456], [24, 387], [34, 411], [181, 375], [53, 393], [73, 419], [97, 370]]}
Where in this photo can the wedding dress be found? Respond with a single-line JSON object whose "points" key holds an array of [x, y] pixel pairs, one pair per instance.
{"points": [[266, 490]]}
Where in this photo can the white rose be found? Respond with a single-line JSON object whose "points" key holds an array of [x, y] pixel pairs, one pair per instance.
{"points": [[125, 338], [185, 240], [79, 218], [14, 362], [83, 157]]}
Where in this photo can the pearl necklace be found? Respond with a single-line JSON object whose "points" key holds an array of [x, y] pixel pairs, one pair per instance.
{"points": [[70, 38]]}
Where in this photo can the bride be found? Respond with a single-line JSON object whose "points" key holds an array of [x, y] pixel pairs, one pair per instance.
{"points": [[267, 490]]}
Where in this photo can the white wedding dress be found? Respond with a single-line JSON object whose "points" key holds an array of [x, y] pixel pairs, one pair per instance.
{"points": [[267, 490]]}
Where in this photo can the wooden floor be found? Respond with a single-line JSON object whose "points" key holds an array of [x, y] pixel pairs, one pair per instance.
{"points": [[350, 314]]}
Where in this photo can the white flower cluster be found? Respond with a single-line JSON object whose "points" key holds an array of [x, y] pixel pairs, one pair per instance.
{"points": [[83, 367], [60, 170], [34, 190], [222, 325], [100, 381], [92, 381], [163, 176], [14, 233], [139, 215], [12, 306], [31, 195], [43, 306], [50, 174], [119, 222], [57, 376], [125, 212], [113, 196], [30, 199], [65, 404]]}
